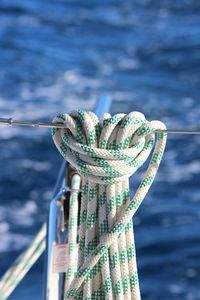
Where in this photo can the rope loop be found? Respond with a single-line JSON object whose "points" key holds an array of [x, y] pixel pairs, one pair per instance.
{"points": [[106, 151]]}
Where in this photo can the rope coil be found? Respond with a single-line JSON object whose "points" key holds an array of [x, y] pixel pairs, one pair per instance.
{"points": [[106, 153]]}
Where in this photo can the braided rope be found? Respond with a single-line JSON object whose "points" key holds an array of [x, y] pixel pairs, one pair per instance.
{"points": [[72, 229], [106, 153], [23, 264]]}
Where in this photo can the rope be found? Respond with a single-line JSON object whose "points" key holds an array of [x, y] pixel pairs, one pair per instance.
{"points": [[72, 229], [106, 153], [22, 265], [27, 259]]}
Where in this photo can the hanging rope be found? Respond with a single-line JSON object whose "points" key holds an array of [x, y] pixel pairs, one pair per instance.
{"points": [[106, 153], [22, 265], [14, 275]]}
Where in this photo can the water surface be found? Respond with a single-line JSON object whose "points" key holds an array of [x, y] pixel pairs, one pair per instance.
{"points": [[59, 55]]}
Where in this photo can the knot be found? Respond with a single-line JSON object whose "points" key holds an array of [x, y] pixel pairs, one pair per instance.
{"points": [[108, 150]]}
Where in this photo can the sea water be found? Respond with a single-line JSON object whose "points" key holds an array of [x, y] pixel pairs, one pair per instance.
{"points": [[56, 56]]}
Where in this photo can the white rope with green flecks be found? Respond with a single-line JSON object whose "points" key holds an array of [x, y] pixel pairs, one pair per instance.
{"points": [[106, 153], [14, 275], [23, 264]]}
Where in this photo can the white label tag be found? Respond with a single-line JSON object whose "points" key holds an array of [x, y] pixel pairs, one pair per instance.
{"points": [[60, 258]]}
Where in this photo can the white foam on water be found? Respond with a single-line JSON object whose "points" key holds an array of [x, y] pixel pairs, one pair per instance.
{"points": [[20, 214], [4, 227], [28, 21], [60, 97], [179, 173], [128, 64], [12, 219], [34, 165], [14, 241], [176, 289]]}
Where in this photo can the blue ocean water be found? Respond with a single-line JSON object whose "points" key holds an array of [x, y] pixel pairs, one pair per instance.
{"points": [[59, 55]]}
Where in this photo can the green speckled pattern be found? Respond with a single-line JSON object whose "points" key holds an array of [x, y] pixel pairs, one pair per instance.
{"points": [[106, 153]]}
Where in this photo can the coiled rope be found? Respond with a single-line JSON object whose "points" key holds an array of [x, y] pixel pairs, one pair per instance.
{"points": [[106, 153]]}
